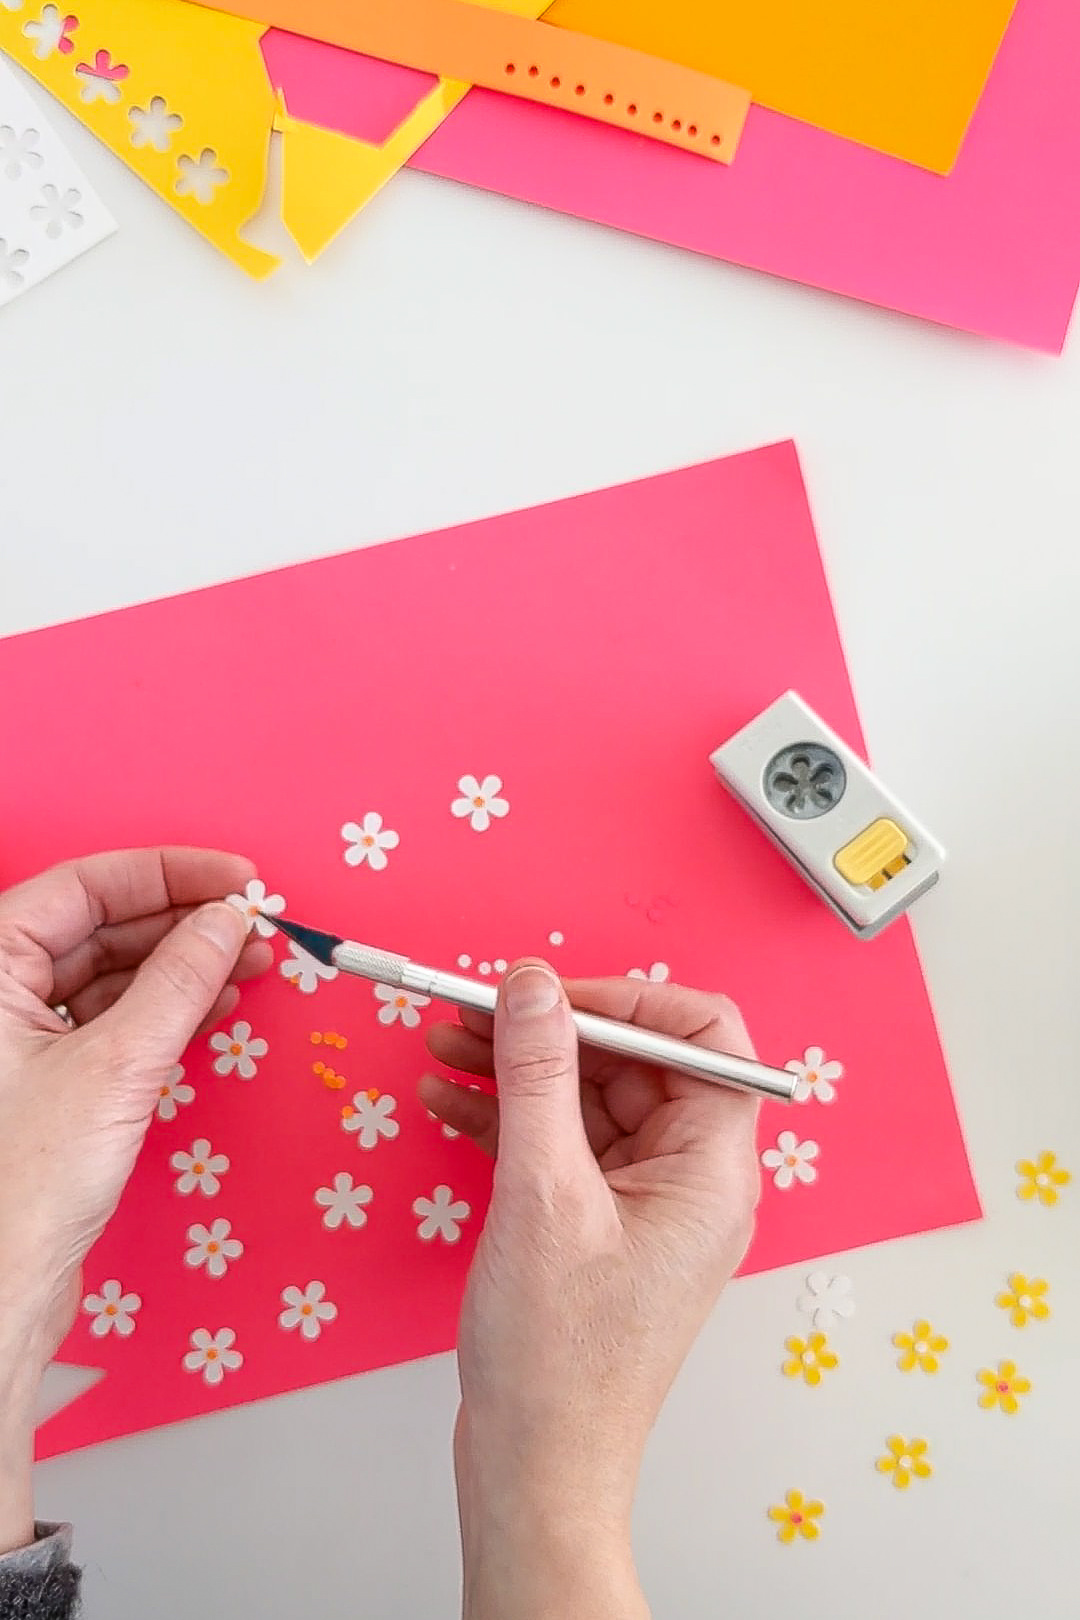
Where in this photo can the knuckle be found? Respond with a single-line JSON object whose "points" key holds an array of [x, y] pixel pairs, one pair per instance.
{"points": [[535, 1068], [182, 975]]}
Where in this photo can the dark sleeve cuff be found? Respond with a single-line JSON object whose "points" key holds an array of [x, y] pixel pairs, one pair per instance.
{"points": [[40, 1582]]}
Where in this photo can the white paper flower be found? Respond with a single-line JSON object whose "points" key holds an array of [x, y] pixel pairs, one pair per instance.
{"points": [[51, 33], [370, 1116], [154, 125], [815, 1076], [213, 1248], [58, 211], [659, 973], [200, 177], [11, 263], [827, 1300], [18, 151], [200, 1168], [113, 1311], [212, 1354], [174, 1094], [258, 907], [399, 1004], [306, 1309], [344, 1201], [440, 1216], [790, 1160], [305, 971], [368, 842], [237, 1051], [480, 801]]}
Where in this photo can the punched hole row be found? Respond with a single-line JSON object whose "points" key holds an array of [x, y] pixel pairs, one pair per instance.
{"points": [[609, 101]]}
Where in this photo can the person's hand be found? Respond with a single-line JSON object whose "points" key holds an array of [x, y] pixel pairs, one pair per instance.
{"points": [[623, 1201], [128, 944]]}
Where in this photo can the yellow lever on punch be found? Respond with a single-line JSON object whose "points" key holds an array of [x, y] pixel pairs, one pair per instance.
{"points": [[854, 844]]}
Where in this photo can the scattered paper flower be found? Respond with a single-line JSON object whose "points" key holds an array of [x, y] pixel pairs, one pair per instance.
{"points": [[1025, 1299], [305, 971], [480, 801], [174, 1094], [827, 1300], [306, 1309], [11, 264], [51, 32], [112, 1310], [212, 1354], [659, 973], [920, 1348], [1001, 1388], [368, 842], [213, 1247], [797, 1517], [441, 1216], [200, 177], [906, 1460], [200, 1168], [790, 1160], [815, 1076], [154, 125], [58, 211], [344, 1201], [237, 1051], [1041, 1178], [810, 1357], [18, 151], [399, 1004], [258, 907], [369, 1116], [101, 79]]}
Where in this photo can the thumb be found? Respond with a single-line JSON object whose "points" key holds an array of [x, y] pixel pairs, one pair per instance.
{"points": [[175, 988], [541, 1130]]}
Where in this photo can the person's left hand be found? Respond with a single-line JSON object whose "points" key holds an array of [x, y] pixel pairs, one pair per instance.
{"points": [[128, 944]]}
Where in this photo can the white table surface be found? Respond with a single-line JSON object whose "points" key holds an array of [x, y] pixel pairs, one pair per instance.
{"points": [[166, 424]]}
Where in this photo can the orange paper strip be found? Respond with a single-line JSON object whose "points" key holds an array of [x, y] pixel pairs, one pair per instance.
{"points": [[533, 60]]}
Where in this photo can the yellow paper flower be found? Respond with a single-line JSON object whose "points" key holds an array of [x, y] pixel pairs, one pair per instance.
{"points": [[1024, 1300], [810, 1357], [1042, 1178], [797, 1518], [920, 1348], [1002, 1387], [906, 1460]]}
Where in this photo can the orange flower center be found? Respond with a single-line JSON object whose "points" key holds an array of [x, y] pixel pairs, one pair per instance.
{"points": [[401, 1001], [796, 1518], [164, 1092], [198, 1169], [306, 1310], [211, 1355], [1003, 1389], [478, 802], [791, 1161], [253, 911], [236, 1049], [213, 1248], [369, 842], [111, 1310], [812, 1077]]}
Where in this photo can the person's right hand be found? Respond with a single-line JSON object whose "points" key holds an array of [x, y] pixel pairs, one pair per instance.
{"points": [[623, 1201]]}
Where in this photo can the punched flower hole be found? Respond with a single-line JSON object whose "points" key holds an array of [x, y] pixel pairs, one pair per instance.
{"points": [[805, 781]]}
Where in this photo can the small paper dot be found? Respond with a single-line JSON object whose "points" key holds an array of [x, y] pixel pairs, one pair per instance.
{"points": [[556, 938], [464, 961], [499, 965], [484, 969]]}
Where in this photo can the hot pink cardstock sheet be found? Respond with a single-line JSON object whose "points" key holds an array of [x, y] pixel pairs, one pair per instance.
{"points": [[994, 248], [589, 655]]}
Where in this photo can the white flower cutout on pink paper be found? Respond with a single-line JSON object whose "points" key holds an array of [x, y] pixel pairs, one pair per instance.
{"points": [[306, 1309], [815, 1076], [479, 801], [212, 1354], [112, 1311], [441, 1216], [237, 1052], [201, 1168], [368, 841], [304, 971], [658, 973], [174, 1094], [344, 1202], [213, 1247], [370, 1116], [258, 907], [791, 1160], [399, 1005]]}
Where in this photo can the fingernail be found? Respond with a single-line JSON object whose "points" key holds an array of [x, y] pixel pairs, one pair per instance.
{"points": [[222, 925], [529, 992]]}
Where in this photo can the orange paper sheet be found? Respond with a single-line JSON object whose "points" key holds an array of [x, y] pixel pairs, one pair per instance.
{"points": [[902, 79], [631, 89]]}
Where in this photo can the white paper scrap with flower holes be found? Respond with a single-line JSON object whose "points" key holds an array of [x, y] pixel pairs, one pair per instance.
{"points": [[49, 212]]}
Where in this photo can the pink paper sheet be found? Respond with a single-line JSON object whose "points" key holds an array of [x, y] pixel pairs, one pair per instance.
{"points": [[591, 654], [994, 248]]}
